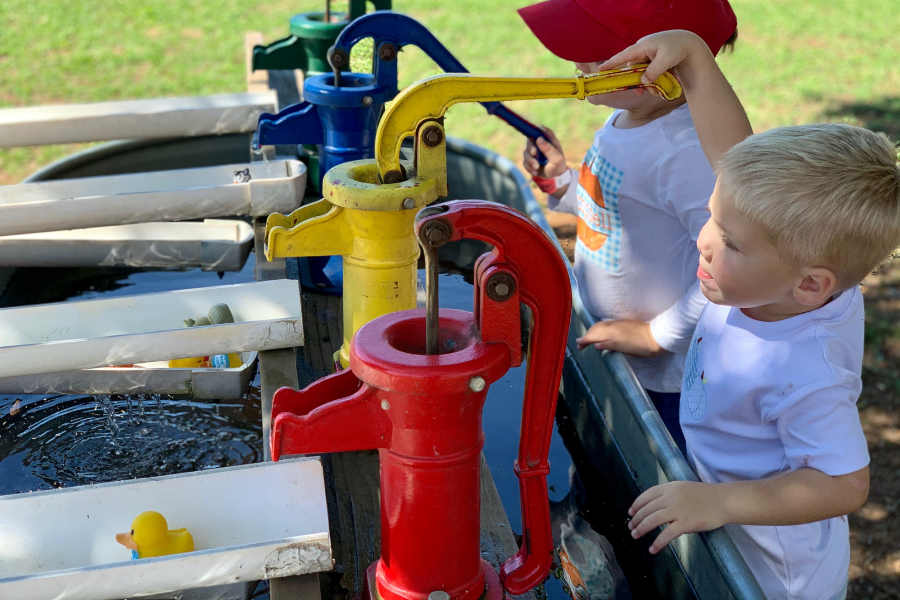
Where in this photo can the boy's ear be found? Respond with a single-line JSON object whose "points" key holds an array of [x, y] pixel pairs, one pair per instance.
{"points": [[816, 287]]}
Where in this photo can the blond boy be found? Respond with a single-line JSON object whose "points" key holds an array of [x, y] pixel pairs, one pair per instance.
{"points": [[799, 216]]}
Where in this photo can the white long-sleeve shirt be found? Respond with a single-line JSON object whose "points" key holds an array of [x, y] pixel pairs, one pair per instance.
{"points": [[641, 201]]}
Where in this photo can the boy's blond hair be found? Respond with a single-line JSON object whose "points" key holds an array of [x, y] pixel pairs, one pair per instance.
{"points": [[825, 195]]}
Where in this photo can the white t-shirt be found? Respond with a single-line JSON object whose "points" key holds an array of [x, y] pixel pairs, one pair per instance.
{"points": [[641, 202], [761, 398]]}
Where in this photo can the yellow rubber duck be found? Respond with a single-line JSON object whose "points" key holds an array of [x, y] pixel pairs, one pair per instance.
{"points": [[150, 536]]}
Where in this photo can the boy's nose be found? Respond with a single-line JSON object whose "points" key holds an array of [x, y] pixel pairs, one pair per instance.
{"points": [[703, 244]]}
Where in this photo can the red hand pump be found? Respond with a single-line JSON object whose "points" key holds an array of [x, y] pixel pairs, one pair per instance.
{"points": [[423, 410]]}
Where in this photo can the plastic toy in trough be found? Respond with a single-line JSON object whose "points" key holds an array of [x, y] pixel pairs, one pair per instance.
{"points": [[368, 207], [150, 536], [415, 390], [312, 34]]}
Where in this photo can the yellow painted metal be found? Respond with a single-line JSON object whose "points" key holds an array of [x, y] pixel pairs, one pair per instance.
{"points": [[370, 225], [430, 98]]}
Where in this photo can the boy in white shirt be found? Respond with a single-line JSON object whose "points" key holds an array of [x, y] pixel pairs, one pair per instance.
{"points": [[799, 216], [641, 192]]}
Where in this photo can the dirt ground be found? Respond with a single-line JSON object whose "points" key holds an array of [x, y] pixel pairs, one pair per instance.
{"points": [[875, 529]]}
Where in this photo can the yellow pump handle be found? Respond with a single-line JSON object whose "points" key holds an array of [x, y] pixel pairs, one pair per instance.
{"points": [[430, 98]]}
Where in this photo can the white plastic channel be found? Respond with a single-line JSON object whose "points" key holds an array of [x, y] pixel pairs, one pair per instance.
{"points": [[248, 523], [213, 245], [134, 119], [67, 336], [257, 189]]}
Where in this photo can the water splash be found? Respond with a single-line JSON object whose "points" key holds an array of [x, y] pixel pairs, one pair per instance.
{"points": [[106, 406], [258, 153], [68, 440]]}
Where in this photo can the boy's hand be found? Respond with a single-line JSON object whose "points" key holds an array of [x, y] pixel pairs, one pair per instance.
{"points": [[718, 115], [663, 51], [552, 149], [687, 507], [628, 336]]}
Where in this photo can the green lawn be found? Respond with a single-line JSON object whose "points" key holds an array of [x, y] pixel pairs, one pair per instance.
{"points": [[796, 61]]}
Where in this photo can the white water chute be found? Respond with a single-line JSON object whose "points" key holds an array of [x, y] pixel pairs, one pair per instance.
{"points": [[247, 189], [252, 522], [49, 338], [212, 245], [134, 119]]}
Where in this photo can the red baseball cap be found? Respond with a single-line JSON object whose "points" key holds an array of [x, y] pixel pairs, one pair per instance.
{"points": [[595, 30]]}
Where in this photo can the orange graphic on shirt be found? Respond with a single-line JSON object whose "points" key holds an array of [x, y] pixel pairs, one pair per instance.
{"points": [[592, 239]]}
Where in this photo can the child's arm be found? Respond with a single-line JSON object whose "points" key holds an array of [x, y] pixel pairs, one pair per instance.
{"points": [[792, 498], [628, 336], [718, 115]]}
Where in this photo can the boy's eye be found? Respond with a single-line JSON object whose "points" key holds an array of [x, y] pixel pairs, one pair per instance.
{"points": [[728, 243]]}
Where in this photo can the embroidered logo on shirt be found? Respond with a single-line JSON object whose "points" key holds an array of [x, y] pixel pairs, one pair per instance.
{"points": [[599, 224], [692, 391]]}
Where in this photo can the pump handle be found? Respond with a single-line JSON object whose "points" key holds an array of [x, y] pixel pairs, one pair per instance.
{"points": [[524, 265], [430, 98], [391, 32]]}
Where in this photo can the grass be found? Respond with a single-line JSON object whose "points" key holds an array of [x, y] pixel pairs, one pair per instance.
{"points": [[796, 62]]}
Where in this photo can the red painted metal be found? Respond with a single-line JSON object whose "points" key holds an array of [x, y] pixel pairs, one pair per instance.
{"points": [[423, 413]]}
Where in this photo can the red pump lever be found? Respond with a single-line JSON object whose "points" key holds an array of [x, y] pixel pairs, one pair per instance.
{"points": [[525, 263]]}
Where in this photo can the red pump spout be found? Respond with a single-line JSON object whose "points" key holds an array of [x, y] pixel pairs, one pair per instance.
{"points": [[333, 414], [423, 413]]}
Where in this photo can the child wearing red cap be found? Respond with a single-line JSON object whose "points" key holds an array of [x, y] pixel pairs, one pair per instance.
{"points": [[640, 194]]}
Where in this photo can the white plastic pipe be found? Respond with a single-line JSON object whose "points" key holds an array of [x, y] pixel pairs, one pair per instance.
{"points": [[256, 189], [213, 245], [248, 523], [134, 329], [134, 119]]}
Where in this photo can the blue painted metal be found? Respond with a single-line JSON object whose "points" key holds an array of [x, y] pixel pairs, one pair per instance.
{"points": [[391, 32], [340, 121]]}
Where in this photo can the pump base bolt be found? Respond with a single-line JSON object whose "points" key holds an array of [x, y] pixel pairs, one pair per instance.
{"points": [[409, 203], [432, 136], [387, 52], [436, 233], [476, 384], [501, 286], [439, 595], [367, 100], [337, 58]]}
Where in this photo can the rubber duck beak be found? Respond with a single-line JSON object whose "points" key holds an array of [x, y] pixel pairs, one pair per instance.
{"points": [[126, 540]]}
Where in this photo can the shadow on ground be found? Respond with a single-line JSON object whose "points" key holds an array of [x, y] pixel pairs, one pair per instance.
{"points": [[880, 115]]}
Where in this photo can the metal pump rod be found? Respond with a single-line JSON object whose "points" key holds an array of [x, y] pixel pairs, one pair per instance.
{"points": [[431, 237]]}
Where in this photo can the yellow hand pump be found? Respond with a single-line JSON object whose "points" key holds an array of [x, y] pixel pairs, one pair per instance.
{"points": [[368, 209]]}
